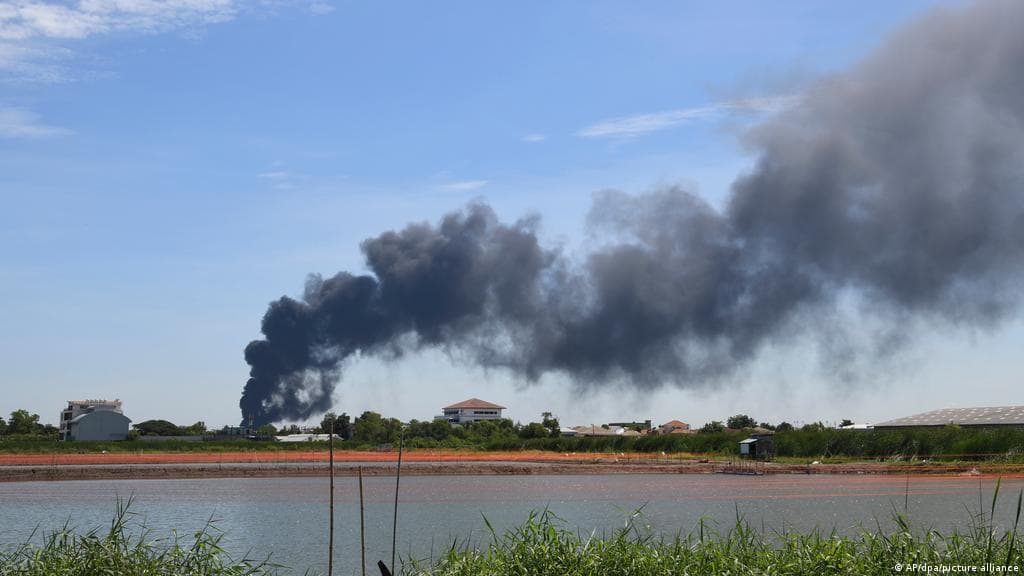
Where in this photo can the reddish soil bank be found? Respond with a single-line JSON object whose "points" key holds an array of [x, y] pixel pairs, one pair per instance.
{"points": [[27, 467], [321, 455]]}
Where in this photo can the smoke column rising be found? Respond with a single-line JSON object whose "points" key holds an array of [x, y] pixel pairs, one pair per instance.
{"points": [[899, 180]]}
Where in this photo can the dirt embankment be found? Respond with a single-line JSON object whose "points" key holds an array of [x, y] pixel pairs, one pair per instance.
{"points": [[91, 466], [321, 456]]}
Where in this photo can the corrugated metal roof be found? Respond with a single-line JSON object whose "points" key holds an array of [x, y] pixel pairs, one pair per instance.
{"points": [[474, 403], [97, 414], [984, 416]]}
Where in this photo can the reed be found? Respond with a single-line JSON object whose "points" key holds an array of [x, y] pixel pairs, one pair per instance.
{"points": [[124, 549], [544, 546]]}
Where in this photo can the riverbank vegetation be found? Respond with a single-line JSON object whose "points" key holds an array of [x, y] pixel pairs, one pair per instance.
{"points": [[371, 431], [811, 441], [949, 443]]}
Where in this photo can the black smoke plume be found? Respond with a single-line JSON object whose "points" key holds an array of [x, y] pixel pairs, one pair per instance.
{"points": [[899, 181]]}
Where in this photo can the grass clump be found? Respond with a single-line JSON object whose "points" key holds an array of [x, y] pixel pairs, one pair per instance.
{"points": [[127, 550]]}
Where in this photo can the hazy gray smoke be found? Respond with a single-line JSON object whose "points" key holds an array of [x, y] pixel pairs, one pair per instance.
{"points": [[900, 180]]}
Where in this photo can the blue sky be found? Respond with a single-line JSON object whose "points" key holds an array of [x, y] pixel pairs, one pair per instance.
{"points": [[168, 168]]}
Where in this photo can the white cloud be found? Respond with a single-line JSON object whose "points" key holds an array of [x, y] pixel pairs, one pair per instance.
{"points": [[30, 30], [281, 175], [31, 19], [21, 123], [282, 179], [534, 138], [463, 186], [641, 124], [320, 8], [19, 61]]}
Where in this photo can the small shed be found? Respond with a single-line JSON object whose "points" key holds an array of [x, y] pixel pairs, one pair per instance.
{"points": [[758, 447]]}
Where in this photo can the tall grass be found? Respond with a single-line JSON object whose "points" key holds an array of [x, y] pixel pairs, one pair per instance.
{"points": [[127, 550], [543, 546]]}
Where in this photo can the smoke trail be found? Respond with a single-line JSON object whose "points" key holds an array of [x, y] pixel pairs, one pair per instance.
{"points": [[900, 180]]}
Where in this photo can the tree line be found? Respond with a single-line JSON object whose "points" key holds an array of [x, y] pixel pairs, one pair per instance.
{"points": [[165, 428], [22, 423], [812, 440], [372, 428]]}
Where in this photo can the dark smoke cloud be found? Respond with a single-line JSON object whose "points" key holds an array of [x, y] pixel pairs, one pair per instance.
{"points": [[899, 180]]}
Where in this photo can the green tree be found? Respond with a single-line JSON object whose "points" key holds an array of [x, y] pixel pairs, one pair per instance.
{"points": [[784, 427], [440, 429], [369, 427], [342, 425], [23, 423], [327, 423], [477, 430], [551, 423], [740, 421], [3, 427], [712, 427], [266, 430], [158, 428], [197, 429], [392, 431], [534, 430]]}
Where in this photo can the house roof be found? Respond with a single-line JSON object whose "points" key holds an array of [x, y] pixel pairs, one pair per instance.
{"points": [[675, 424], [474, 403], [984, 416], [98, 414]]}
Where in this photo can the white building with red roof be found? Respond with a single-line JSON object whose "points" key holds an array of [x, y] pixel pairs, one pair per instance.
{"points": [[471, 410]]}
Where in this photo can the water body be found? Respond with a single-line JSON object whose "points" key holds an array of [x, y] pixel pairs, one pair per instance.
{"points": [[287, 517]]}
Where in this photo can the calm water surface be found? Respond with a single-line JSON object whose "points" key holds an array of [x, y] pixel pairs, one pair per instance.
{"points": [[286, 517]]}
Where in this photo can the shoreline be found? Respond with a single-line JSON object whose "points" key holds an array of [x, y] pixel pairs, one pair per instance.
{"points": [[124, 466]]}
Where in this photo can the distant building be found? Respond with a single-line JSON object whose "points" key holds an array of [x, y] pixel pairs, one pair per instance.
{"points": [[605, 430], [758, 447], [86, 420], [675, 427], [986, 417], [472, 410], [306, 438], [642, 427], [235, 431]]}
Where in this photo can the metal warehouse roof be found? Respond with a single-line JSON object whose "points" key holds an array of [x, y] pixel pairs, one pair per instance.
{"points": [[987, 416]]}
